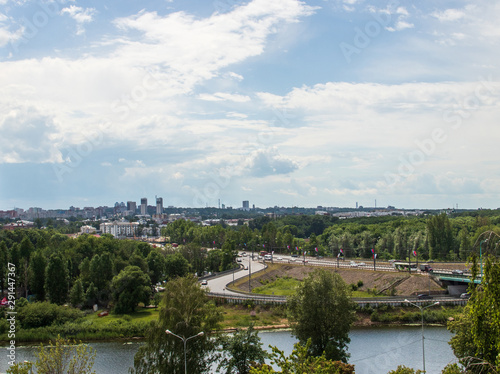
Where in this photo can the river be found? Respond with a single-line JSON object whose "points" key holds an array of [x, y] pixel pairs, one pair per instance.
{"points": [[372, 350]]}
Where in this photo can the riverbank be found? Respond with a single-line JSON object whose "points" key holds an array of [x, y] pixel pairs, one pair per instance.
{"points": [[134, 326]]}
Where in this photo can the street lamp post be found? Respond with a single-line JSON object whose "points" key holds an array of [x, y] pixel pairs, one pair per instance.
{"points": [[184, 340], [423, 338], [249, 275], [481, 255]]}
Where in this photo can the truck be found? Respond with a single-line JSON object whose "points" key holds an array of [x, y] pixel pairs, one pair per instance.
{"points": [[425, 268]]}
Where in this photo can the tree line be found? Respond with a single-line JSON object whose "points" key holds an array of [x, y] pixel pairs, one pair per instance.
{"points": [[86, 270]]}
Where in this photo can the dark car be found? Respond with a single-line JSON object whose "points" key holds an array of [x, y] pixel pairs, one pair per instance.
{"points": [[295, 255], [424, 296]]}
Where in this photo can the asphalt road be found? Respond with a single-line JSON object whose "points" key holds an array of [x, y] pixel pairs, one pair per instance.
{"points": [[218, 284]]}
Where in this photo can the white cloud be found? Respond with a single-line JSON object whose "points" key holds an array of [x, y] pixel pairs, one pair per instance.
{"points": [[449, 15], [222, 96], [146, 71], [235, 76], [7, 34], [80, 15], [28, 136]]}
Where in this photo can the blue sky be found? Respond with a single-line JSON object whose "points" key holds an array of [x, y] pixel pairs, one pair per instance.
{"points": [[283, 102]]}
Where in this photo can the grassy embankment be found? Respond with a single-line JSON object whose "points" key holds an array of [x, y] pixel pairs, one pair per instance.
{"points": [[92, 327]]}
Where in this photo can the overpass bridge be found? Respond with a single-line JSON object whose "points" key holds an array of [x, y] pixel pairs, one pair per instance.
{"points": [[456, 283]]}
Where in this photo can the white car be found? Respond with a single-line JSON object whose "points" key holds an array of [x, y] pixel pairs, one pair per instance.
{"points": [[353, 264], [279, 259]]}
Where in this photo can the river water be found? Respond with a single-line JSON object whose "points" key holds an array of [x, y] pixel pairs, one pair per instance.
{"points": [[372, 350]]}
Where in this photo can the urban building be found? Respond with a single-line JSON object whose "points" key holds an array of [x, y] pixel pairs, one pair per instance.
{"points": [[246, 205], [119, 229], [159, 205], [87, 229], [132, 206], [144, 206]]}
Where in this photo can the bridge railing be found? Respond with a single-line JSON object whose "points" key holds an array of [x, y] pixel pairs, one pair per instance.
{"points": [[367, 302]]}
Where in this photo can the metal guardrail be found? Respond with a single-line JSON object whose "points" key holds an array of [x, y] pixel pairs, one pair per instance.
{"points": [[374, 302]]}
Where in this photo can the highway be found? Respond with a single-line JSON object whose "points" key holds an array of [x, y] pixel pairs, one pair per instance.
{"points": [[218, 284]]}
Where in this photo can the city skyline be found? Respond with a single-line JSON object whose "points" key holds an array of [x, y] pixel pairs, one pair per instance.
{"points": [[283, 103]]}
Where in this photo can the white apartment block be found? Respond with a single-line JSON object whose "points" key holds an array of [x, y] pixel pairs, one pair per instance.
{"points": [[119, 229], [87, 230]]}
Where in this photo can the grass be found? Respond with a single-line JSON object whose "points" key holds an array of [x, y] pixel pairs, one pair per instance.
{"points": [[142, 315], [365, 294], [280, 287], [245, 315]]}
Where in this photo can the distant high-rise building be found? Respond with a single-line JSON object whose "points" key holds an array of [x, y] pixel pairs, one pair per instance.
{"points": [[132, 206], [159, 205], [246, 205], [144, 206]]}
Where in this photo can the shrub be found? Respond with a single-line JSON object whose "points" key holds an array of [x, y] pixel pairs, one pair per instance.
{"points": [[360, 283], [45, 314]]}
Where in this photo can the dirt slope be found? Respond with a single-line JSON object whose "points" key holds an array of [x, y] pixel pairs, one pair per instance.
{"points": [[405, 285]]}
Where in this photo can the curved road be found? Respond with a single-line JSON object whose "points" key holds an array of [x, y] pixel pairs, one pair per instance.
{"points": [[218, 284]]}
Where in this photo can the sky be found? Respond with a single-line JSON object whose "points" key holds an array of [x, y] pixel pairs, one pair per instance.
{"points": [[283, 102]]}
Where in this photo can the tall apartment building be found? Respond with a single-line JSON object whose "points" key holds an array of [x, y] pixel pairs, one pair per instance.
{"points": [[159, 205], [144, 206], [132, 206], [246, 205]]}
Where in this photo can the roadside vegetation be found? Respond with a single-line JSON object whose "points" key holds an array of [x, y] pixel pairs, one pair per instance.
{"points": [[56, 281]]}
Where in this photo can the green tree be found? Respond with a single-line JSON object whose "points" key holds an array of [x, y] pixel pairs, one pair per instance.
{"points": [[322, 310], [240, 351], [186, 312], [441, 239], [401, 369], [137, 259], [38, 265], [76, 295], [176, 266], [477, 332], [300, 362], [91, 295], [130, 287], [25, 250], [65, 356], [4, 255], [56, 280], [228, 255], [156, 265]]}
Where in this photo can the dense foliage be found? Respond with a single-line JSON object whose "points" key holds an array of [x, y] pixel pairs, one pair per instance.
{"points": [[477, 331], [187, 313], [241, 351], [301, 362], [62, 356], [55, 267], [321, 310]]}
